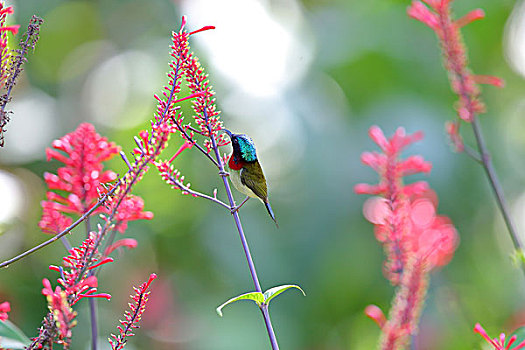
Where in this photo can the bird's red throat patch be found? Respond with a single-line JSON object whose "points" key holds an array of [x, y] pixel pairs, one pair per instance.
{"points": [[234, 165]]}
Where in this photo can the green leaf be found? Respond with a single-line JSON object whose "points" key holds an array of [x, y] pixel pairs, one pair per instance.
{"points": [[520, 334], [275, 291], [11, 337], [255, 296]]}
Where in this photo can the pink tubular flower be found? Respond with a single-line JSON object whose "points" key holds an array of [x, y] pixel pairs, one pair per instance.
{"points": [[375, 314], [437, 15], [129, 243], [499, 343], [133, 315], [5, 307]]}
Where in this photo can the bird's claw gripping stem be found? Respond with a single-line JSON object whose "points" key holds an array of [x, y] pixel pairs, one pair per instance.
{"points": [[224, 173]]}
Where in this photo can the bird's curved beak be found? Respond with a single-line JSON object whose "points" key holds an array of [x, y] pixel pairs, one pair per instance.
{"points": [[230, 134]]}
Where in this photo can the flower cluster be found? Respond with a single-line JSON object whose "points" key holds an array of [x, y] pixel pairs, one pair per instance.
{"points": [[82, 152], [80, 181], [63, 314], [415, 239], [5, 307], [499, 343], [133, 315], [206, 113], [74, 275], [186, 66], [405, 215], [76, 282]]}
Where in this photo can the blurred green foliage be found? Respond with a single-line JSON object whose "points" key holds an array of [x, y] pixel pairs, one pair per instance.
{"points": [[370, 64]]}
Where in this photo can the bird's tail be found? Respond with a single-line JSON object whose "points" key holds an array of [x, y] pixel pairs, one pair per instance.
{"points": [[270, 211]]}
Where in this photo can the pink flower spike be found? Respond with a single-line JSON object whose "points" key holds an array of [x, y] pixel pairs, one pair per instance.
{"points": [[184, 146], [489, 80], [102, 262], [202, 29], [375, 314], [470, 17], [420, 12], [129, 243]]}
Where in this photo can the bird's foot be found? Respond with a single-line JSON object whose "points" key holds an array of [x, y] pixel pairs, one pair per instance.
{"points": [[224, 173]]}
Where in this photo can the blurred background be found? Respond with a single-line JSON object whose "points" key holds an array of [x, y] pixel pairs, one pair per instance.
{"points": [[306, 79]]}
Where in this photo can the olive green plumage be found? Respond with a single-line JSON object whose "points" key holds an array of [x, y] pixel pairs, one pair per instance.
{"points": [[246, 172]]}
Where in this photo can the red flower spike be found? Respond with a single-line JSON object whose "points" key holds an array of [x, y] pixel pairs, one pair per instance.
{"points": [[499, 344], [133, 316], [63, 314], [82, 152], [5, 307]]}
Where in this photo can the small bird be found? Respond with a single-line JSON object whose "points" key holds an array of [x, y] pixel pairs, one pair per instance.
{"points": [[246, 173]]}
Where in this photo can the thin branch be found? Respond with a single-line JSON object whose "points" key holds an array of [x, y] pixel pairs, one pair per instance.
{"points": [[185, 188], [496, 186], [63, 233]]}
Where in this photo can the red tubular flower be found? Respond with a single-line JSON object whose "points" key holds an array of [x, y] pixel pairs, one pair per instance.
{"points": [[5, 307], [437, 15], [499, 343], [133, 315], [129, 243]]}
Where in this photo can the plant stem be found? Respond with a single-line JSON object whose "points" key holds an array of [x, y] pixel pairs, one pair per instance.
{"points": [[496, 187], [92, 303], [94, 327], [251, 265]]}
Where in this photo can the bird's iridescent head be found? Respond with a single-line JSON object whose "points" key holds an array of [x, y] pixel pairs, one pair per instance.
{"points": [[243, 146]]}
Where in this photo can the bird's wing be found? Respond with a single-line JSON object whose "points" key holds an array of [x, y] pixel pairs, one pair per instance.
{"points": [[252, 177]]}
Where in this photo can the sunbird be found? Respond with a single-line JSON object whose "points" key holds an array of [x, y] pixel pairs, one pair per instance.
{"points": [[246, 173]]}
